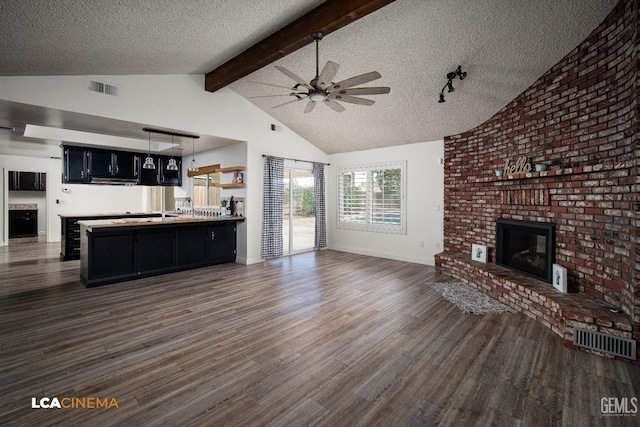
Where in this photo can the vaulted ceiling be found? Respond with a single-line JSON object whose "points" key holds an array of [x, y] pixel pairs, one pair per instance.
{"points": [[504, 45]]}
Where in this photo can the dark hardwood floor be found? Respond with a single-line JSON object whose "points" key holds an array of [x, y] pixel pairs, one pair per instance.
{"points": [[325, 338]]}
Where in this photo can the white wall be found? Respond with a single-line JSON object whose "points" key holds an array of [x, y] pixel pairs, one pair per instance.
{"points": [[177, 102], [424, 193], [68, 198]]}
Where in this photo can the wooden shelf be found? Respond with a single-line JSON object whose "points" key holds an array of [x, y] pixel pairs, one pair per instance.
{"points": [[238, 185], [230, 169]]}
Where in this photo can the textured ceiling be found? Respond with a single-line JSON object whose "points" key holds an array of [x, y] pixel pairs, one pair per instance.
{"points": [[504, 45]]}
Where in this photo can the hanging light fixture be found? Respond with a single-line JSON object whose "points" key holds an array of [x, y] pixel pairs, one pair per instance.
{"points": [[172, 165], [193, 167], [450, 76], [148, 162]]}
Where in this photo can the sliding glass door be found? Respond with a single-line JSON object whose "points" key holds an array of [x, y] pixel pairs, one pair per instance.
{"points": [[299, 215]]}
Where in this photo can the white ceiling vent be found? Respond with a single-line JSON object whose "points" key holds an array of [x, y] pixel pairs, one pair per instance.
{"points": [[101, 87]]}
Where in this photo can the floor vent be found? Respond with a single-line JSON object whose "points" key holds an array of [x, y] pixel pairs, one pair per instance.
{"points": [[105, 88], [617, 346]]}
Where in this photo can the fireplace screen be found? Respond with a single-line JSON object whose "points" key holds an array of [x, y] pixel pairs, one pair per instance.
{"points": [[526, 246]]}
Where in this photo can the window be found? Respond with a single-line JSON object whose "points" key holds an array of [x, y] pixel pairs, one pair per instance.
{"points": [[371, 198]]}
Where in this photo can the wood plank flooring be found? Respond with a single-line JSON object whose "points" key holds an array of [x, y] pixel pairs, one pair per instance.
{"points": [[324, 338]]}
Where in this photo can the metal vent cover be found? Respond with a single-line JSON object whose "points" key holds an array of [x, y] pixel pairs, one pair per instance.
{"points": [[610, 344], [101, 87]]}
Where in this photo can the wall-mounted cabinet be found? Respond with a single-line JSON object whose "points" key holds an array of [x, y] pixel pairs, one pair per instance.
{"points": [[27, 181], [83, 165], [75, 167]]}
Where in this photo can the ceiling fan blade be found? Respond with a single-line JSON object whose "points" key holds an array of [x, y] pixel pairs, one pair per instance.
{"points": [[351, 99], [310, 106], [365, 91], [269, 84], [334, 105], [293, 76], [288, 102], [355, 81], [327, 74]]}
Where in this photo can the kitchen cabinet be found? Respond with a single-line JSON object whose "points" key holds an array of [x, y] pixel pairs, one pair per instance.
{"points": [[104, 164], [222, 243], [160, 175], [75, 167], [116, 252], [70, 231], [23, 223], [98, 166], [27, 181]]}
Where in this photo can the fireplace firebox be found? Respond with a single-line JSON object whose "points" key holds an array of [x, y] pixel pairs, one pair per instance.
{"points": [[526, 246]]}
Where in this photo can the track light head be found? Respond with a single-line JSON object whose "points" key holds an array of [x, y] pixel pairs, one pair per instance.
{"points": [[450, 77]]}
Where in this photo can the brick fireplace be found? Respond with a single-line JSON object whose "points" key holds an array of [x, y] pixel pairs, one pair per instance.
{"points": [[580, 120]]}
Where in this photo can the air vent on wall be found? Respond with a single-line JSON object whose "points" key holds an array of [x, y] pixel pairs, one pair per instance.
{"points": [[101, 87], [617, 346]]}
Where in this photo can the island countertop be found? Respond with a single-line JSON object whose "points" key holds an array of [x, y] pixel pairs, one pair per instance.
{"points": [[152, 221]]}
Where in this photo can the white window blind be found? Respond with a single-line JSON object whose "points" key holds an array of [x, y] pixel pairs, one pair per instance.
{"points": [[371, 198]]}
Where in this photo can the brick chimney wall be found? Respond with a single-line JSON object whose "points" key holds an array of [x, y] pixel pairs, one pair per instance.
{"points": [[580, 119]]}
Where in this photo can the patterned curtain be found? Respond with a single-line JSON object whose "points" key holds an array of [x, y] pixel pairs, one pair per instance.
{"points": [[272, 207], [321, 217]]}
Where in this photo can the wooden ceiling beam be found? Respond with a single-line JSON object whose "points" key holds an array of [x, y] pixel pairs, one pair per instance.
{"points": [[326, 18]]}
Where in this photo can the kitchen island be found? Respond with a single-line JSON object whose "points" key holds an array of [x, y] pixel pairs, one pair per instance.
{"points": [[70, 239], [117, 250]]}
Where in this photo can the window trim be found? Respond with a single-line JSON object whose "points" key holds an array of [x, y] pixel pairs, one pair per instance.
{"points": [[375, 228]]}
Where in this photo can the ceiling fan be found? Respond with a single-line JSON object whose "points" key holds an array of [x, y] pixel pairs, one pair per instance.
{"points": [[322, 89]]}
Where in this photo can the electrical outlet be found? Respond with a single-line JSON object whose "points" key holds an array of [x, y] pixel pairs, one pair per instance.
{"points": [[437, 245], [421, 244]]}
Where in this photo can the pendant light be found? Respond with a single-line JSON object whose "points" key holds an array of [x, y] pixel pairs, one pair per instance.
{"points": [[193, 167], [148, 162], [172, 166]]}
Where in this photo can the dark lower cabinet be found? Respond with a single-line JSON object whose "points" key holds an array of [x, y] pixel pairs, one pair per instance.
{"points": [[112, 263], [222, 245], [192, 245], [117, 254], [70, 241], [155, 249], [23, 223]]}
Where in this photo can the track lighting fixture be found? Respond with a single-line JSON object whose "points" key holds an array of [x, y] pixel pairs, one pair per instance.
{"points": [[450, 77]]}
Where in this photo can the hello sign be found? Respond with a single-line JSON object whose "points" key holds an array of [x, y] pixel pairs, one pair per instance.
{"points": [[522, 165]]}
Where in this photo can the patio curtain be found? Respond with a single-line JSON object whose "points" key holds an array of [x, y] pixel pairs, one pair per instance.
{"points": [[321, 216], [272, 207]]}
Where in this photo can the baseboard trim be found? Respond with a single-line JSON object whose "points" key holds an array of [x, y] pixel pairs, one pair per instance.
{"points": [[382, 254]]}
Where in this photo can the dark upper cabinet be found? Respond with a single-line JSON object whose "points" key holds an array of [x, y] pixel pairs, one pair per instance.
{"points": [[160, 175], [168, 177], [125, 165], [100, 164], [27, 181], [14, 180], [87, 165], [42, 182], [113, 164], [75, 165], [150, 176]]}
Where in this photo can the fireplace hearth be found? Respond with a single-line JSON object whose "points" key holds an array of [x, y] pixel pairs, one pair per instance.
{"points": [[526, 246]]}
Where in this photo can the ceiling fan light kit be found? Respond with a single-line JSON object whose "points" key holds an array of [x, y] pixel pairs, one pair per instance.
{"points": [[321, 89], [450, 77]]}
